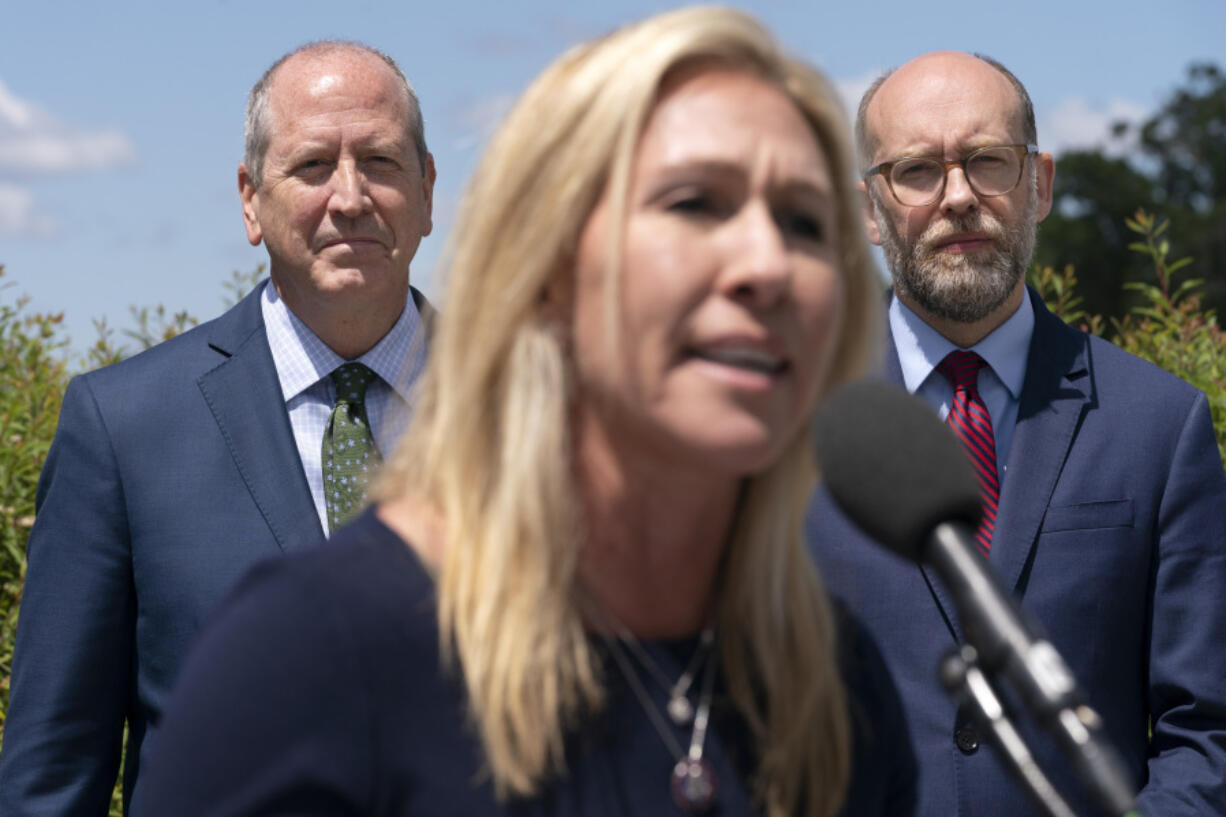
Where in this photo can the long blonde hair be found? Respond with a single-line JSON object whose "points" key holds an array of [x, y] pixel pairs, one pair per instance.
{"points": [[490, 446]]}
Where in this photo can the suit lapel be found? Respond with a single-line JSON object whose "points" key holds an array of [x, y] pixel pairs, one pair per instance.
{"points": [[244, 394], [1058, 389]]}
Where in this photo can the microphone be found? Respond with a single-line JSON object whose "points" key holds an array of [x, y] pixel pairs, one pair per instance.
{"points": [[899, 473]]}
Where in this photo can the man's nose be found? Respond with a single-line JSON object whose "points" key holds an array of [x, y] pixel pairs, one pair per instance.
{"points": [[349, 195], [958, 196]]}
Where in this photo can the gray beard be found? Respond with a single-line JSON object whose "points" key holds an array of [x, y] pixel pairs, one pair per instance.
{"points": [[964, 288]]}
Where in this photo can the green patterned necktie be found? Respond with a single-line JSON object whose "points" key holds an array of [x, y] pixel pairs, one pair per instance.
{"points": [[349, 451]]}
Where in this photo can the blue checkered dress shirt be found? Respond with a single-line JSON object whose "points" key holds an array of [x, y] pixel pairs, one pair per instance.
{"points": [[304, 364]]}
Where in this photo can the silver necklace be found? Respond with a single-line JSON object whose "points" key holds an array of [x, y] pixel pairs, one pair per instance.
{"points": [[680, 709], [693, 783]]}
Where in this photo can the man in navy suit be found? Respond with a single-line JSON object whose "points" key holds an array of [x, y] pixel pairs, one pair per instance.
{"points": [[1110, 523], [174, 471]]}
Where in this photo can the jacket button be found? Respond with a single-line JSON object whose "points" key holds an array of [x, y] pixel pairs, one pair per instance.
{"points": [[967, 740]]}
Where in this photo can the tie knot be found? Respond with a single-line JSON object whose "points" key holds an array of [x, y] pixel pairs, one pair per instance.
{"points": [[350, 381], [961, 368]]}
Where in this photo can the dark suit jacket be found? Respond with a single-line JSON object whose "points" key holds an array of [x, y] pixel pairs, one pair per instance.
{"points": [[1112, 530], [171, 473]]}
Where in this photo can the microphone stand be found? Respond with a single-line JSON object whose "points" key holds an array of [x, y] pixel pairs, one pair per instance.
{"points": [[973, 690], [1001, 636]]}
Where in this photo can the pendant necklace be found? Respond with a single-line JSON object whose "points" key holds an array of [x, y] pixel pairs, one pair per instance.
{"points": [[693, 783], [680, 709]]}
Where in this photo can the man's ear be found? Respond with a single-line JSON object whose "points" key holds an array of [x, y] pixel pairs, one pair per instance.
{"points": [[427, 192], [1045, 175], [869, 212], [251, 204]]}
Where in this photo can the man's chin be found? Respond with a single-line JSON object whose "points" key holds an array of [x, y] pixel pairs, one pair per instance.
{"points": [[346, 278], [963, 302]]}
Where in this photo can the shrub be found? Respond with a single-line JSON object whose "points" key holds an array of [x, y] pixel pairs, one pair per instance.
{"points": [[1169, 328], [32, 380]]}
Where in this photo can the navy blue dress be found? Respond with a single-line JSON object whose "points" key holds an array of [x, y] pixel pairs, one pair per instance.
{"points": [[318, 690]]}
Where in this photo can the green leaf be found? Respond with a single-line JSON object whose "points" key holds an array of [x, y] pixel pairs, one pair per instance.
{"points": [[1175, 266]]}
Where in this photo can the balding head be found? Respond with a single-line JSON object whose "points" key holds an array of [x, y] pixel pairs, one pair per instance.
{"points": [[258, 127], [955, 72]]}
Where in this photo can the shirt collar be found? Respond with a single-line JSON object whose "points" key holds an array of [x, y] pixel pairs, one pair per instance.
{"points": [[302, 359], [921, 348]]}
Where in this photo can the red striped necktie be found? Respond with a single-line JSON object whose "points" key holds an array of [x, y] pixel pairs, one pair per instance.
{"points": [[969, 419]]}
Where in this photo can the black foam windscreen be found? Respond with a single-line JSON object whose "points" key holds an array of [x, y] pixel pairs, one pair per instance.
{"points": [[893, 467]]}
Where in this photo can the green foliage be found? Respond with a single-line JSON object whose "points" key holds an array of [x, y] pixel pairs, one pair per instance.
{"points": [[1060, 293], [241, 283], [32, 380], [156, 324], [152, 326], [1168, 326], [1092, 197], [1178, 168]]}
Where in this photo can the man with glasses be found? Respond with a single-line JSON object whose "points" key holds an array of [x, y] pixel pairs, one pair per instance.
{"points": [[1104, 495]]}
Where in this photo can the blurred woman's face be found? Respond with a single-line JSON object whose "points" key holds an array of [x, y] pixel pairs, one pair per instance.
{"points": [[731, 296]]}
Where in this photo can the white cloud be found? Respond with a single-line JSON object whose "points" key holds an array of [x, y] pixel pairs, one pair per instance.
{"points": [[33, 142], [49, 152], [1075, 123], [13, 111], [19, 216]]}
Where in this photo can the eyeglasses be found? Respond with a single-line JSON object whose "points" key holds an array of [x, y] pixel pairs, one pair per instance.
{"points": [[917, 181]]}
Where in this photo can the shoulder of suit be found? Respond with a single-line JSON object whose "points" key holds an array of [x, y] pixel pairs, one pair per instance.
{"points": [[237, 324], [1124, 379], [1111, 366], [189, 353]]}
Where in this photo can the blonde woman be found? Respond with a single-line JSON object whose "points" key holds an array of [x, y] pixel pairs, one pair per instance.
{"points": [[582, 588]]}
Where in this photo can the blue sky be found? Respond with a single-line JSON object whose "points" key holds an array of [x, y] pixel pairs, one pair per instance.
{"points": [[121, 122]]}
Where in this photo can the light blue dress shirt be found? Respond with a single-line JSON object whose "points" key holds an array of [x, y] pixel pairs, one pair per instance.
{"points": [[304, 367], [1006, 350]]}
